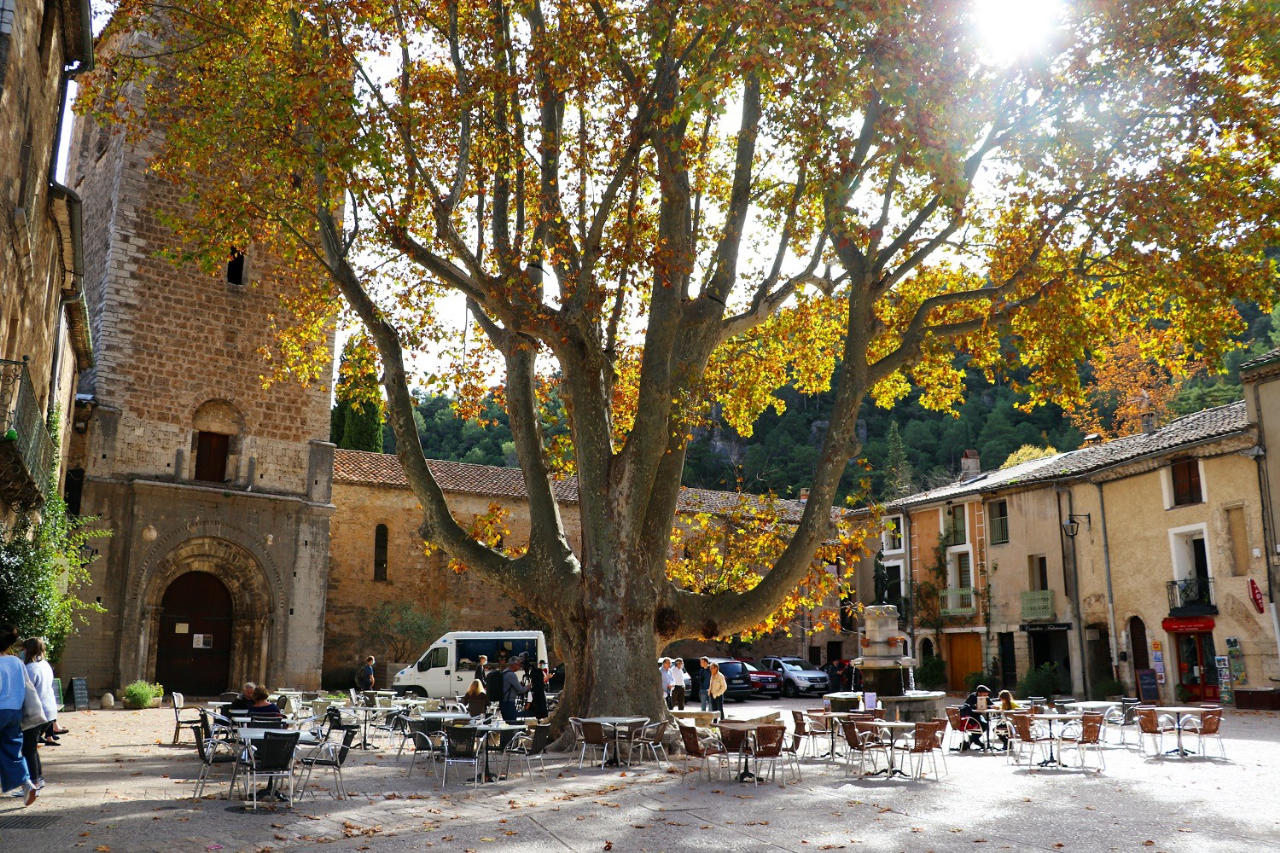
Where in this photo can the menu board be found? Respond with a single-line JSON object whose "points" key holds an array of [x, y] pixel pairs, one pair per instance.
{"points": [[80, 693]]}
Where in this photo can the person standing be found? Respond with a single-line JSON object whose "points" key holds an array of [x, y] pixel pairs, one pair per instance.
{"points": [[704, 684], [512, 690], [364, 678], [13, 691], [538, 691], [668, 680], [41, 675], [677, 687], [716, 688]]}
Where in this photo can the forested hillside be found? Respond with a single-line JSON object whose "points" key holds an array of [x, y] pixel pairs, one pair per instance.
{"points": [[779, 457]]}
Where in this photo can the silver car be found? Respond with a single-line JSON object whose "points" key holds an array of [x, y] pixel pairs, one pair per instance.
{"points": [[798, 675]]}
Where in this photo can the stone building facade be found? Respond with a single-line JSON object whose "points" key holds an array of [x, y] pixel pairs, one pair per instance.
{"points": [[217, 489], [44, 334], [1144, 558]]}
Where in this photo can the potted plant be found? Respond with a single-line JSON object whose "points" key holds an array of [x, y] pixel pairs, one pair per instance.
{"points": [[142, 694]]}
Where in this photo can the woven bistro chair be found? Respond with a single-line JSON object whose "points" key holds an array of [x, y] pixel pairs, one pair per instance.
{"points": [[768, 747], [329, 755], [211, 752], [593, 738], [1082, 737], [181, 721], [271, 758], [1208, 725], [650, 738], [1154, 726], [708, 750], [1026, 737], [462, 745], [529, 746], [922, 742], [427, 741]]}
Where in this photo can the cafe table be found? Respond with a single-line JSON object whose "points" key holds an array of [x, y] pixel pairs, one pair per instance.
{"points": [[832, 718], [748, 728], [1051, 719], [613, 723], [893, 729], [993, 713], [249, 734], [508, 729], [365, 713], [1179, 713]]}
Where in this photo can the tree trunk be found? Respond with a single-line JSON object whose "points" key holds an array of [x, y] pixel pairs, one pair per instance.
{"points": [[611, 665]]}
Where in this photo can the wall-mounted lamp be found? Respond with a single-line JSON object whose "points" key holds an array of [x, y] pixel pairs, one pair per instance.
{"points": [[1072, 525]]}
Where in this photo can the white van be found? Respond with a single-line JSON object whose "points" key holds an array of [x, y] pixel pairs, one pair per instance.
{"points": [[448, 666]]}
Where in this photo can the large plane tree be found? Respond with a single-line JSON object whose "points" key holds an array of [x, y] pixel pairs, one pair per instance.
{"points": [[656, 209]]}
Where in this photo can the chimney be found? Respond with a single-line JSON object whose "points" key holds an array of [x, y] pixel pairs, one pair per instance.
{"points": [[804, 496], [1093, 438], [1148, 422], [970, 464]]}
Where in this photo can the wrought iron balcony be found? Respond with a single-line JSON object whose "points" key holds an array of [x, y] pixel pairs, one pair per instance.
{"points": [[1037, 606], [26, 450], [1191, 596], [958, 601]]}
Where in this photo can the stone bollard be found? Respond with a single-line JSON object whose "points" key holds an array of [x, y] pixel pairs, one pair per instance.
{"points": [[108, 701]]}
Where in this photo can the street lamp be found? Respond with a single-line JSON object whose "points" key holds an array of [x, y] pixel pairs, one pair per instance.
{"points": [[1072, 525]]}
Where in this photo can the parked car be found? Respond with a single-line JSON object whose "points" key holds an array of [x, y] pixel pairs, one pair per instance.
{"points": [[764, 682], [736, 677], [797, 674]]}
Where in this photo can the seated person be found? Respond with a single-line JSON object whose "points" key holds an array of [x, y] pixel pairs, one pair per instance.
{"points": [[262, 708], [978, 700], [1006, 703], [476, 699], [244, 701]]}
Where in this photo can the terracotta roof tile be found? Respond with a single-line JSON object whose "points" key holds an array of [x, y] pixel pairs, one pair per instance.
{"points": [[359, 467]]}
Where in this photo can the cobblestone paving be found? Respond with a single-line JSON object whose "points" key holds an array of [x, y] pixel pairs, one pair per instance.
{"points": [[116, 785]]}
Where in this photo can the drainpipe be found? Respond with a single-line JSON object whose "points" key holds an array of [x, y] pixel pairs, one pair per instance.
{"points": [[1111, 599], [1075, 597]]}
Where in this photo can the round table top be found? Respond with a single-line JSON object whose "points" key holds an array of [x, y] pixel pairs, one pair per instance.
{"points": [[614, 721], [1180, 709], [1098, 705], [251, 733], [893, 724], [1057, 716], [498, 727]]}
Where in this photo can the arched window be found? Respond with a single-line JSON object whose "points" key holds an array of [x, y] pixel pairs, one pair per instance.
{"points": [[926, 648], [217, 428], [235, 266], [380, 552]]}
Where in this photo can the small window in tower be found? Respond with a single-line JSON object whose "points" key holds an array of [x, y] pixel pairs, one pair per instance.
{"points": [[211, 456], [235, 267], [74, 490], [380, 552]]}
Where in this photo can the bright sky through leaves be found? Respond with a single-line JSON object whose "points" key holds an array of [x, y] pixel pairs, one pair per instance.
{"points": [[1010, 30]]}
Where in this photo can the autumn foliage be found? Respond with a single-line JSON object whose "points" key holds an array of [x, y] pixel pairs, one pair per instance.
{"points": [[657, 207]]}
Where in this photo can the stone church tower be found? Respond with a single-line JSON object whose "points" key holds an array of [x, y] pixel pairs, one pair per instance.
{"points": [[217, 490]]}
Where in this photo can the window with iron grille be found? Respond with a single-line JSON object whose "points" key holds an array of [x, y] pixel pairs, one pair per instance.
{"points": [[954, 530]]}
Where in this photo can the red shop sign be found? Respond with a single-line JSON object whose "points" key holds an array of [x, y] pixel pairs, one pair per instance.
{"points": [[1255, 594], [1187, 624]]}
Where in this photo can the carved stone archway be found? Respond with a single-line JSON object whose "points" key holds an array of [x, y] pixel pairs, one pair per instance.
{"points": [[253, 602]]}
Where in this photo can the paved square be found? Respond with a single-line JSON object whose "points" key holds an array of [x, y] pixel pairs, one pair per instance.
{"points": [[116, 785]]}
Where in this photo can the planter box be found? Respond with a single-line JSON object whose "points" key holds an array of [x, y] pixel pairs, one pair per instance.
{"points": [[1257, 699]]}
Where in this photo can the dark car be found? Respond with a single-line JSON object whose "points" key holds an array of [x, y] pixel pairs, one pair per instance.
{"points": [[736, 677], [765, 683]]}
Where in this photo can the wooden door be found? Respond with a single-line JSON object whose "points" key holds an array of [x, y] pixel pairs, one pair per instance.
{"points": [[211, 456], [193, 651], [964, 655]]}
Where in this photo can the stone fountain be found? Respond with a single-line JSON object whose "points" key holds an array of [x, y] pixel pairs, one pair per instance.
{"points": [[885, 670]]}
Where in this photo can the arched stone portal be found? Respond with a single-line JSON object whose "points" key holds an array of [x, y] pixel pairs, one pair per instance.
{"points": [[251, 604]]}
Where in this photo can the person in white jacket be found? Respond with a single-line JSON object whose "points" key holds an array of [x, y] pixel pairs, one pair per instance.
{"points": [[41, 675]]}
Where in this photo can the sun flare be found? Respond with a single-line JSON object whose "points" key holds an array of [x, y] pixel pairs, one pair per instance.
{"points": [[1009, 30]]}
